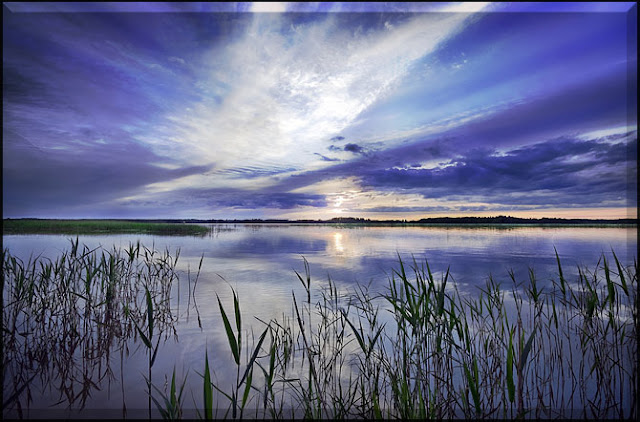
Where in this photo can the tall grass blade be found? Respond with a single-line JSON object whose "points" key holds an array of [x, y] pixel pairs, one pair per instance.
{"points": [[562, 279], [144, 338], [359, 338], [149, 312], [254, 356], [621, 274], [207, 392], [230, 336], [236, 310], [247, 387], [510, 384], [473, 386], [525, 351], [611, 291]]}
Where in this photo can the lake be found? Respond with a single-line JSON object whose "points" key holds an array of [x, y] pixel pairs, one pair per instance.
{"points": [[260, 262]]}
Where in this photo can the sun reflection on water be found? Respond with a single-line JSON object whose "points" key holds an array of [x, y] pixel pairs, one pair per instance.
{"points": [[337, 243]]}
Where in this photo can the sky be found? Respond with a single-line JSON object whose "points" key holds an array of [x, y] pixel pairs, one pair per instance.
{"points": [[319, 110]]}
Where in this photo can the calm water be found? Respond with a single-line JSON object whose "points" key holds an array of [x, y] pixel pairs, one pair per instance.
{"points": [[259, 262]]}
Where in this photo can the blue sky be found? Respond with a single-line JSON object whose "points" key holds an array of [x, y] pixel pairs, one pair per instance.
{"points": [[290, 110]]}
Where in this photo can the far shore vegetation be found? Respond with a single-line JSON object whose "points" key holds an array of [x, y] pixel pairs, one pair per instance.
{"points": [[194, 227], [38, 226]]}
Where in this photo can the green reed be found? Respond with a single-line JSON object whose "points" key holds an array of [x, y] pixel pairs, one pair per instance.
{"points": [[426, 350], [64, 319], [237, 402]]}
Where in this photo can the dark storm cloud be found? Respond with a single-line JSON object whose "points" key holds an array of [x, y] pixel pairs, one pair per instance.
{"points": [[337, 138]]}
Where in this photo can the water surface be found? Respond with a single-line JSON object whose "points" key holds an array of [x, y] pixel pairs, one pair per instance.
{"points": [[259, 262]]}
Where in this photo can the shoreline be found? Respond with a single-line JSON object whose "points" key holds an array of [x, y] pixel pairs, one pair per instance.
{"points": [[351, 221], [177, 227]]}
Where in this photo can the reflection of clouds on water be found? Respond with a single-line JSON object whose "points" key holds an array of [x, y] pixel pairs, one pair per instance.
{"points": [[265, 256], [269, 254]]}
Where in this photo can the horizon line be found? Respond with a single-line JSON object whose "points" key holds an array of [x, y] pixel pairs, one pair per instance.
{"points": [[335, 219]]}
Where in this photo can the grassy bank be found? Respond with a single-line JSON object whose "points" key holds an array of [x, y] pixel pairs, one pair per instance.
{"points": [[37, 226], [420, 349]]}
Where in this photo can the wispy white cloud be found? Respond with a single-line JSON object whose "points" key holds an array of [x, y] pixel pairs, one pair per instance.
{"points": [[268, 6], [463, 7], [284, 88]]}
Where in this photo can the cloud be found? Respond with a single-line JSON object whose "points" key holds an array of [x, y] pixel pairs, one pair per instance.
{"points": [[355, 148], [325, 158], [268, 6], [392, 209], [565, 172], [577, 109], [177, 60], [589, 105], [252, 172], [283, 200], [230, 198], [229, 111], [40, 183], [289, 81], [20, 87]]}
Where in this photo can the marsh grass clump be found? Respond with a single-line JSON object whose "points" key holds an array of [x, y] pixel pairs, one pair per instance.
{"points": [[64, 320]]}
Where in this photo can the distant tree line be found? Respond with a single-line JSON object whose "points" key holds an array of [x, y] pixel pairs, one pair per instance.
{"points": [[500, 219]]}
